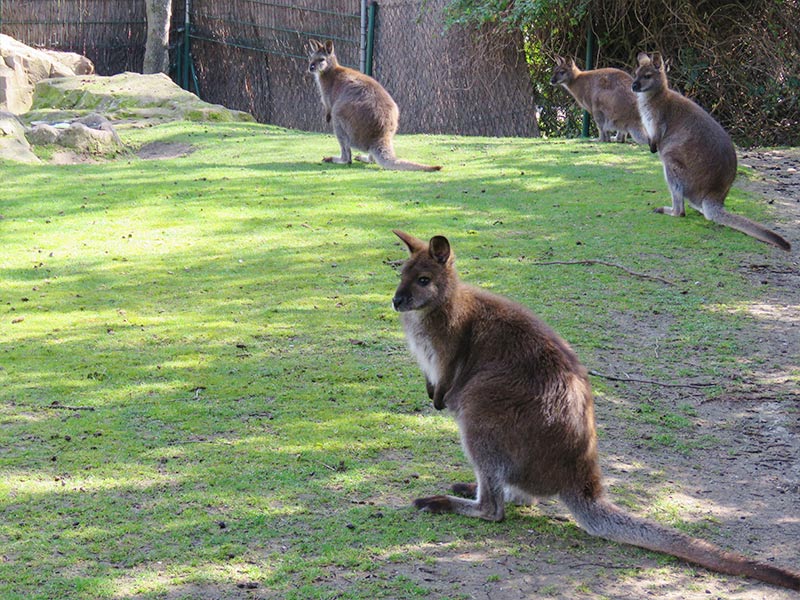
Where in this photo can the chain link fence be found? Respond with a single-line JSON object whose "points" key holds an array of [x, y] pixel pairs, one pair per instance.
{"points": [[452, 80]]}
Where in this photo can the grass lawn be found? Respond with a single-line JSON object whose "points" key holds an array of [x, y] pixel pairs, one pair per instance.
{"points": [[204, 392]]}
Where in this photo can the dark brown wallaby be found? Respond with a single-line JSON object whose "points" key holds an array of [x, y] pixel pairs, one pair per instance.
{"points": [[698, 154], [524, 408], [606, 94], [362, 112]]}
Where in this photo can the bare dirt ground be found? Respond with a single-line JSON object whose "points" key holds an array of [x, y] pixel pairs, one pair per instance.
{"points": [[739, 489]]}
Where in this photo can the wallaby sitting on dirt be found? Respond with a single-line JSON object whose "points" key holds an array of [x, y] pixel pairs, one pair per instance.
{"points": [[698, 154], [524, 408], [362, 112], [606, 94]]}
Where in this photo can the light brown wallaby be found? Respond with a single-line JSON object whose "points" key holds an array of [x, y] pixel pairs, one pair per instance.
{"points": [[524, 409], [606, 94], [698, 154], [362, 112]]}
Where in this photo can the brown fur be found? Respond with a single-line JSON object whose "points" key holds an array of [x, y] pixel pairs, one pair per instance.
{"points": [[362, 112], [606, 94], [698, 154], [524, 408]]}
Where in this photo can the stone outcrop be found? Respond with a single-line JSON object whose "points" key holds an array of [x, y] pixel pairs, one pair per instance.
{"points": [[92, 134], [22, 67], [127, 96], [13, 145], [64, 103]]}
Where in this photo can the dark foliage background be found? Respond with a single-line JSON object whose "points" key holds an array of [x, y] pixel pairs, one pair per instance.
{"points": [[739, 60]]}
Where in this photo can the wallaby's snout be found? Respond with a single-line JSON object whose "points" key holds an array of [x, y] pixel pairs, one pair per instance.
{"points": [[401, 301], [636, 86]]}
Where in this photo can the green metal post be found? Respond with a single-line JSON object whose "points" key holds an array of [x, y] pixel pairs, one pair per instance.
{"points": [[590, 43], [186, 56], [371, 14]]}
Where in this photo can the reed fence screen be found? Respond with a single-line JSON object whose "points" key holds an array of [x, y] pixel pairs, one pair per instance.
{"points": [[250, 55]]}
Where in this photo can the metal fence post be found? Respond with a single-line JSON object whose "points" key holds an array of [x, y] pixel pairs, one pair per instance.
{"points": [[186, 56], [372, 13]]}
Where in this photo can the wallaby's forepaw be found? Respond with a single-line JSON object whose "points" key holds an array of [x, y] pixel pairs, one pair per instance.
{"points": [[466, 490], [433, 504]]}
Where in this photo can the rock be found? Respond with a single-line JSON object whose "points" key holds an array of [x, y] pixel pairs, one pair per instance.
{"points": [[92, 134], [126, 96], [22, 67], [42, 134], [13, 145]]}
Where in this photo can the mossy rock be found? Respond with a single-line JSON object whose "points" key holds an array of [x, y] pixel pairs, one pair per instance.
{"points": [[127, 96]]}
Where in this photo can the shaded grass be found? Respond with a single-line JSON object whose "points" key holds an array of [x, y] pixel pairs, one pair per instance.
{"points": [[204, 386]]}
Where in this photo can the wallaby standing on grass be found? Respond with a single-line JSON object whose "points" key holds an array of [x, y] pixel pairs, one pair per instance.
{"points": [[606, 94], [524, 409], [698, 154], [362, 112]]}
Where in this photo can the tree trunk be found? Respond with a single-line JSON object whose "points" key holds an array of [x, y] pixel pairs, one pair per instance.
{"points": [[156, 51]]}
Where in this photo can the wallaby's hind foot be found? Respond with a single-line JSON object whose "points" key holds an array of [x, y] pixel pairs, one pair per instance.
{"points": [[338, 160]]}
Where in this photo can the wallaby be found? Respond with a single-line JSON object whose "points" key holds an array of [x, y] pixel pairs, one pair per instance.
{"points": [[698, 154], [524, 408], [606, 94], [362, 112]]}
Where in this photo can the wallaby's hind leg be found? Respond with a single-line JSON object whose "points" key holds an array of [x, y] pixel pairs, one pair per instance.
{"points": [[344, 143], [510, 494], [489, 505], [676, 189]]}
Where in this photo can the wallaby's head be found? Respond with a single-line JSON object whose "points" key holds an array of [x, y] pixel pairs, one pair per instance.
{"points": [[564, 72], [427, 276], [650, 75], [321, 57]]}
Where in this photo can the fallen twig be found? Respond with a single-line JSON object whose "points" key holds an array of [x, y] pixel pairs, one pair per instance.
{"points": [[649, 381], [593, 261], [58, 406]]}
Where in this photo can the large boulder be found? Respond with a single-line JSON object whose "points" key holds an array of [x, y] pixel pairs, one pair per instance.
{"points": [[22, 67], [126, 96], [92, 134], [13, 145]]}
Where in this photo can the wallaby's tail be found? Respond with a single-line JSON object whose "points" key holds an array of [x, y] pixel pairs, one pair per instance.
{"points": [[718, 214], [385, 157], [602, 518]]}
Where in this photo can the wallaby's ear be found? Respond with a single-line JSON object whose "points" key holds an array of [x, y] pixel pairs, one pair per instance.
{"points": [[644, 59], [657, 63], [413, 244], [440, 249], [560, 61], [329, 46], [570, 63]]}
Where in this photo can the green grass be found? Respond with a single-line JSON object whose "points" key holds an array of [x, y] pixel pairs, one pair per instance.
{"points": [[202, 383]]}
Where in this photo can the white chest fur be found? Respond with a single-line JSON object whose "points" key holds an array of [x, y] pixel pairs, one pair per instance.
{"points": [[647, 115], [421, 346]]}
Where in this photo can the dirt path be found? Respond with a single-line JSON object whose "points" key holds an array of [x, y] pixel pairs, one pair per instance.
{"points": [[742, 489]]}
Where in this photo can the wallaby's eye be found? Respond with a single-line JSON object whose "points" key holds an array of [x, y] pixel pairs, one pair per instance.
{"points": [[423, 281]]}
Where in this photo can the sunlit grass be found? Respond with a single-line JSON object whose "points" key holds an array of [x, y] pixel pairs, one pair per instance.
{"points": [[202, 382]]}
